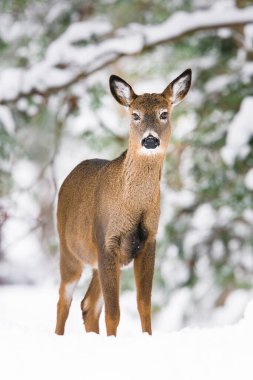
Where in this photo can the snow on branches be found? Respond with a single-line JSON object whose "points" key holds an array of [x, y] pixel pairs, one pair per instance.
{"points": [[86, 47]]}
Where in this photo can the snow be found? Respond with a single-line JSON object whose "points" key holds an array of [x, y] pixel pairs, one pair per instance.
{"points": [[220, 82], [203, 220], [11, 82], [80, 60], [171, 265], [172, 316], [183, 198], [249, 179], [184, 126], [24, 173], [56, 11], [248, 31], [6, 120], [233, 308], [84, 30], [247, 72], [63, 50], [130, 44], [11, 31], [182, 23], [239, 133], [248, 215], [29, 349]]}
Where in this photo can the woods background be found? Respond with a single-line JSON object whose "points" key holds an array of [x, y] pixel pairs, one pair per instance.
{"points": [[56, 110]]}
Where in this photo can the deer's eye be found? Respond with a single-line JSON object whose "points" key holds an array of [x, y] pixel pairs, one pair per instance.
{"points": [[136, 116], [164, 115]]}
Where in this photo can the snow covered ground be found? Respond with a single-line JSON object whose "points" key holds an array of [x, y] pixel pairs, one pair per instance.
{"points": [[30, 350]]}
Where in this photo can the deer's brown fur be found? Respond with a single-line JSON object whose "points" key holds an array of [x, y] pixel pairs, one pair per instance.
{"points": [[108, 212]]}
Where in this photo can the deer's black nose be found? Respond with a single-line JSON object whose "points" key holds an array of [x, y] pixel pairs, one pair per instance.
{"points": [[150, 142]]}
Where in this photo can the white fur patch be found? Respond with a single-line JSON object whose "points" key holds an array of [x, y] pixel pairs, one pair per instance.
{"points": [[150, 132], [150, 152], [130, 265], [123, 90], [179, 87], [69, 289], [99, 304]]}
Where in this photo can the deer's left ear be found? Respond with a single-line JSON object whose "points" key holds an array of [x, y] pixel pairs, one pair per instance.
{"points": [[176, 91], [121, 91]]}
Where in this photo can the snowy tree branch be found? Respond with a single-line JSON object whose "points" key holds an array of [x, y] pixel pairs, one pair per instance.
{"points": [[86, 47]]}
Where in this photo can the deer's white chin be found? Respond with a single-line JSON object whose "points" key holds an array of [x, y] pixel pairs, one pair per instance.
{"points": [[150, 152]]}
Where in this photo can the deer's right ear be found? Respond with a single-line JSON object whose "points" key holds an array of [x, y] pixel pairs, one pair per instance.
{"points": [[121, 91]]}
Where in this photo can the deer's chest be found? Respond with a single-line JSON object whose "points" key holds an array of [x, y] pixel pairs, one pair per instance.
{"points": [[132, 242]]}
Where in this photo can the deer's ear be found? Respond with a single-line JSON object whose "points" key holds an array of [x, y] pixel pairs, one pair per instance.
{"points": [[121, 91], [178, 88]]}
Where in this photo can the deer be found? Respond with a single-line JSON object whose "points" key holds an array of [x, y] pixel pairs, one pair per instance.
{"points": [[108, 211]]}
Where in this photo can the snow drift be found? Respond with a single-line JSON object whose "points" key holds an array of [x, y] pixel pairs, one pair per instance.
{"points": [[30, 350]]}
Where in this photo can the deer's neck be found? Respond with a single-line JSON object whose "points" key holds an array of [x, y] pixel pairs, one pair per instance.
{"points": [[141, 177]]}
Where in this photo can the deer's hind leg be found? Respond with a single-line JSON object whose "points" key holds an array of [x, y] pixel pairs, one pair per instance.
{"points": [[71, 270], [92, 304]]}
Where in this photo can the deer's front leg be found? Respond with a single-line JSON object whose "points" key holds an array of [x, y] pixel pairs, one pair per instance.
{"points": [[143, 272], [109, 272]]}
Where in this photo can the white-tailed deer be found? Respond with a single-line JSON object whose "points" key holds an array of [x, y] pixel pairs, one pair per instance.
{"points": [[108, 211]]}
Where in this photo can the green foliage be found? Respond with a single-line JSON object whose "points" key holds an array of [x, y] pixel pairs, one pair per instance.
{"points": [[96, 96], [122, 12]]}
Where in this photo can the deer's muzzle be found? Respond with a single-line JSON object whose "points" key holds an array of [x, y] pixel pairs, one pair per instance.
{"points": [[150, 142]]}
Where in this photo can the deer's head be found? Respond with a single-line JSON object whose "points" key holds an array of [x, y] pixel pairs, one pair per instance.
{"points": [[150, 113]]}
